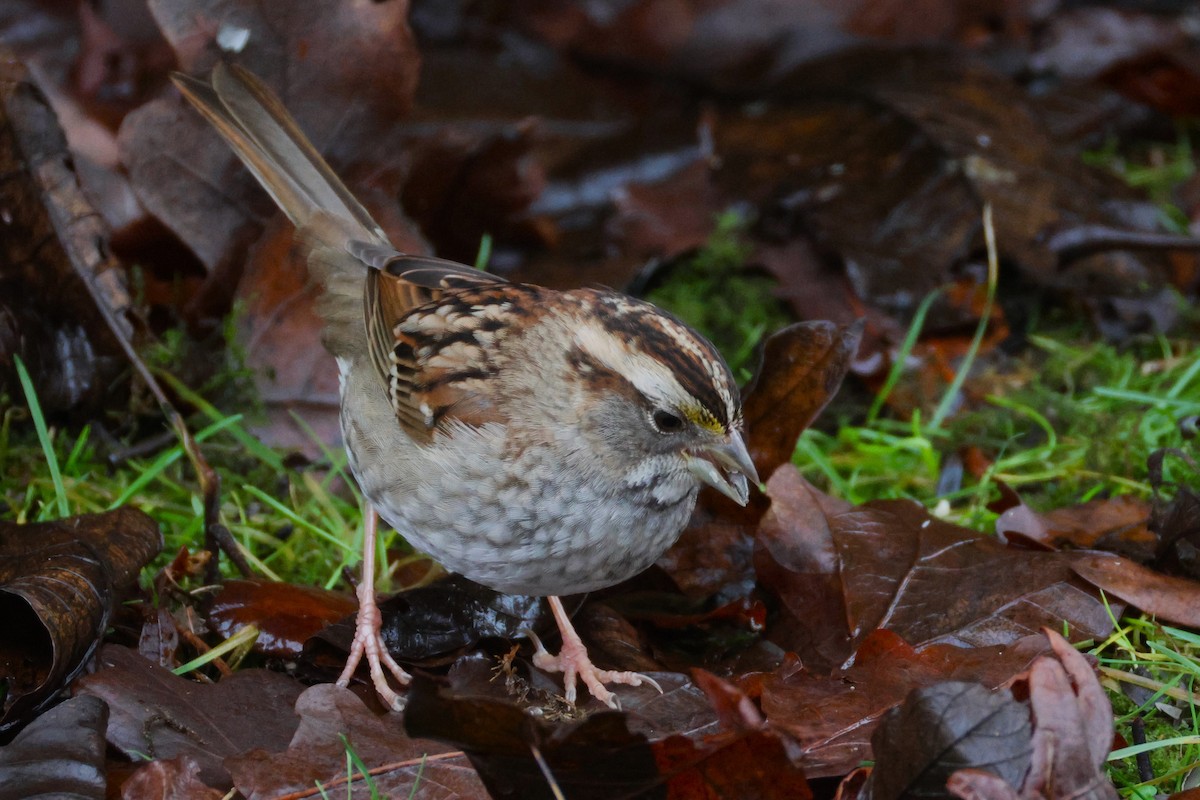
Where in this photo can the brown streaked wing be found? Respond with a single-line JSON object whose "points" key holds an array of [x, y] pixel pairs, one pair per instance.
{"points": [[428, 380]]}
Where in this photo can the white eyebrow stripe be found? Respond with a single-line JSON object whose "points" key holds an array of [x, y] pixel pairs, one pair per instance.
{"points": [[648, 375]]}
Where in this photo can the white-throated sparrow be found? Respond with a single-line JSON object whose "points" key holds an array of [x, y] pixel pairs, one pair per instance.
{"points": [[536, 441]]}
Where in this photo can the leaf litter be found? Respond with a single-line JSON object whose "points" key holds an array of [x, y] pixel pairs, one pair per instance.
{"points": [[794, 639]]}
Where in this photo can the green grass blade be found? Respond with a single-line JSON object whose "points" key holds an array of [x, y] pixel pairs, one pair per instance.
{"points": [[39, 423]]}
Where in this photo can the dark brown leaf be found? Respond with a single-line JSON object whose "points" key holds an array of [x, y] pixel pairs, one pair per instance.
{"points": [[60, 754], [318, 754], [801, 370], [59, 582], [943, 728], [595, 758], [932, 581], [285, 615], [157, 714]]}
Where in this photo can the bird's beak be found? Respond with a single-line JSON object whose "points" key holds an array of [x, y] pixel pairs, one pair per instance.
{"points": [[726, 467]]}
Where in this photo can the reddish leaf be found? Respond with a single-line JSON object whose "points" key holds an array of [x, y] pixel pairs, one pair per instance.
{"points": [[177, 778], [748, 765], [285, 615], [155, 712], [831, 717], [318, 754], [1172, 599]]}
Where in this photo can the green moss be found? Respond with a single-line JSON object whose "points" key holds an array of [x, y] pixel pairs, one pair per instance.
{"points": [[714, 292]]}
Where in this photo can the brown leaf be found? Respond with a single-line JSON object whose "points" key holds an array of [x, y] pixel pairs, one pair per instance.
{"points": [[1172, 599], [1073, 727], [177, 778], [318, 754], [665, 219], [932, 581], [285, 615], [156, 713], [1117, 524], [60, 754], [597, 757], [59, 582], [831, 717], [796, 561], [801, 369]]}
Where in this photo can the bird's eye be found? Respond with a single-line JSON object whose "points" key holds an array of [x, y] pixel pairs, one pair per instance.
{"points": [[666, 422]]}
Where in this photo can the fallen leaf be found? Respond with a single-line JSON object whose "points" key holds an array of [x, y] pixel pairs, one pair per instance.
{"points": [[59, 754], [831, 717], [1172, 599], [177, 778], [156, 714], [317, 755], [802, 367], [1118, 524], [59, 582], [943, 728], [286, 615]]}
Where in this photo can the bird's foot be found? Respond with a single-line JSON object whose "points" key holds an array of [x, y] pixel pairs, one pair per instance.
{"points": [[573, 662], [368, 642]]}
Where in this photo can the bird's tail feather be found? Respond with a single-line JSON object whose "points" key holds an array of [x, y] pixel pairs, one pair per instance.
{"points": [[327, 216]]}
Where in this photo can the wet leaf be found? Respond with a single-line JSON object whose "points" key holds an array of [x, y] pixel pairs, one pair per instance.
{"points": [[1072, 734], [60, 754], [59, 582], [929, 580], [155, 714], [840, 574], [597, 757], [285, 615]]}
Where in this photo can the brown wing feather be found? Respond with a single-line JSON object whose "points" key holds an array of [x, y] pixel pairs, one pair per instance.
{"points": [[425, 338]]}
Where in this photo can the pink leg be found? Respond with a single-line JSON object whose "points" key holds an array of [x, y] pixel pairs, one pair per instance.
{"points": [[573, 661], [367, 638]]}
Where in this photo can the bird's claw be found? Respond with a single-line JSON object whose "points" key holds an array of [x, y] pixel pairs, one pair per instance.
{"points": [[368, 642]]}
